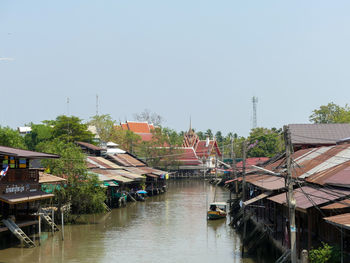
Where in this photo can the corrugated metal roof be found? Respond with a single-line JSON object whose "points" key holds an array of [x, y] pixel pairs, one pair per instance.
{"points": [[130, 175], [113, 175], [342, 220], [49, 178], [266, 181], [318, 134], [126, 159], [24, 197], [337, 205], [90, 146], [306, 197], [338, 175], [152, 170], [102, 163], [257, 198], [134, 170], [4, 150], [334, 156]]}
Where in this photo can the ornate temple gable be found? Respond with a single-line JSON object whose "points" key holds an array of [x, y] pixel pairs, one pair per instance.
{"points": [[190, 138]]}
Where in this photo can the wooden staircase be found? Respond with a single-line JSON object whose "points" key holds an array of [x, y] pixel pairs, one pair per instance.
{"points": [[45, 216], [18, 232]]}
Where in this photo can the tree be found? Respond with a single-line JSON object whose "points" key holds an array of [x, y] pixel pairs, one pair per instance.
{"points": [[40, 133], [127, 140], [11, 138], [104, 126], [70, 129], [209, 133], [175, 139], [263, 142], [150, 117], [83, 190], [201, 135], [160, 152], [331, 113], [324, 254]]}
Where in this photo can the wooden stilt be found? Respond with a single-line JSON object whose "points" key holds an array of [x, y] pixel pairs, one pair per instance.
{"points": [[39, 219]]}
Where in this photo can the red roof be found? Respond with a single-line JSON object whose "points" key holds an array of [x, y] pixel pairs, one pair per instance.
{"points": [[188, 157], [146, 137], [137, 127], [202, 149]]}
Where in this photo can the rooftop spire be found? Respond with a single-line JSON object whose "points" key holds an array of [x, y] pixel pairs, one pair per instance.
{"points": [[190, 124]]}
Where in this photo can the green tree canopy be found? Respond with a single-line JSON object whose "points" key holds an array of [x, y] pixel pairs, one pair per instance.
{"points": [[127, 140], [331, 113], [263, 142], [83, 190], [160, 151], [40, 133], [104, 126], [70, 129], [11, 138]]}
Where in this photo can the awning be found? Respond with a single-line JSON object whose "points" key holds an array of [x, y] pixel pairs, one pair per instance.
{"points": [[342, 220], [24, 197], [257, 198], [110, 183], [238, 179], [152, 175]]}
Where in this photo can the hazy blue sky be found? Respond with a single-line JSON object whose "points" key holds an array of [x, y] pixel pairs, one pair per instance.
{"points": [[177, 58]]}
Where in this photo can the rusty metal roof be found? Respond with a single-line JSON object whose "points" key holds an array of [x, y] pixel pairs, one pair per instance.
{"points": [[89, 146], [4, 150], [113, 175], [307, 197], [318, 134], [337, 205], [266, 181], [338, 175], [49, 178], [101, 162], [126, 159], [24, 197], [342, 220]]}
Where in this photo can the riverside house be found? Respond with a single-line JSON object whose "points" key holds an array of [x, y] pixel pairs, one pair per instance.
{"points": [[20, 192]]}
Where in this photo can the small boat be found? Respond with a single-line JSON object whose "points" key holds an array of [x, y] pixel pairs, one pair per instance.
{"points": [[217, 210]]}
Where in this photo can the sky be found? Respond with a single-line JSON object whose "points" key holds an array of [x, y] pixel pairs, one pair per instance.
{"points": [[200, 59]]}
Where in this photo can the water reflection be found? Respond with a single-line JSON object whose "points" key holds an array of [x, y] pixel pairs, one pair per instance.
{"points": [[166, 228]]}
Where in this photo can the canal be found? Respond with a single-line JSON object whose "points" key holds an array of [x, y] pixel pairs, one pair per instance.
{"points": [[167, 228]]}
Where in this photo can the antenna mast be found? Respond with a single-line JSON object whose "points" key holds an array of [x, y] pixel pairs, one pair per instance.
{"points": [[255, 120], [67, 106], [96, 105]]}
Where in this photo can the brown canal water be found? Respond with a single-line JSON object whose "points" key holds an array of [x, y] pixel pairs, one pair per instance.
{"points": [[171, 227]]}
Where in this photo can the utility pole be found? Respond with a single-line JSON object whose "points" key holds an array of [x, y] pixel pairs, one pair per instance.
{"points": [[244, 152], [291, 199], [216, 166], [233, 157]]}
